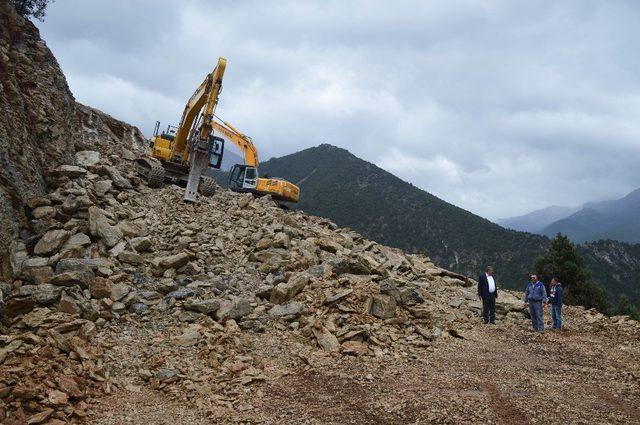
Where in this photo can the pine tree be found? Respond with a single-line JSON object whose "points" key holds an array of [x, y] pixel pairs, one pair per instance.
{"points": [[35, 8], [627, 309], [562, 261]]}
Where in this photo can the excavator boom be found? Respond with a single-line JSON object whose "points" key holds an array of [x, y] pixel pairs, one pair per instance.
{"points": [[244, 177]]}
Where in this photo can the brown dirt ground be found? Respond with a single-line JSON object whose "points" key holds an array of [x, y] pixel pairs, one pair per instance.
{"points": [[504, 374]]}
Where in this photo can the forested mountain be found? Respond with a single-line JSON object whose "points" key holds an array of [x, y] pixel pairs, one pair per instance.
{"points": [[355, 193]]}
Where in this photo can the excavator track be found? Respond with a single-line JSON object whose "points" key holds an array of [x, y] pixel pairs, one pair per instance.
{"points": [[207, 186]]}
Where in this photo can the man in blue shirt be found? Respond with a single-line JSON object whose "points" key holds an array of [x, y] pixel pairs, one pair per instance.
{"points": [[535, 295], [555, 296]]}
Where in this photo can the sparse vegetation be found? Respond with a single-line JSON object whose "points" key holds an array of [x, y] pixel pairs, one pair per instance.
{"points": [[31, 8]]}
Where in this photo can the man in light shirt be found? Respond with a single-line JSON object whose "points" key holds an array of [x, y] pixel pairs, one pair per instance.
{"points": [[488, 292]]}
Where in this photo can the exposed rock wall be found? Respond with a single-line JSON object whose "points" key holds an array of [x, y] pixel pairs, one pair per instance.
{"points": [[35, 124], [41, 125]]}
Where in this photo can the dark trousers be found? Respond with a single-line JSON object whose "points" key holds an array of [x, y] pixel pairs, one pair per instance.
{"points": [[489, 308], [556, 315]]}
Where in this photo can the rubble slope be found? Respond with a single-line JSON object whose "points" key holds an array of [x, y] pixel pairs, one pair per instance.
{"points": [[134, 307]]}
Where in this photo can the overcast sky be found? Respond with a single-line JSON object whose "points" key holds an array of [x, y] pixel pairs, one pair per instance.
{"points": [[499, 107]]}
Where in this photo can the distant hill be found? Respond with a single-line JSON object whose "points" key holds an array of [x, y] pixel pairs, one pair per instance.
{"points": [[357, 194], [354, 193], [536, 221], [618, 219]]}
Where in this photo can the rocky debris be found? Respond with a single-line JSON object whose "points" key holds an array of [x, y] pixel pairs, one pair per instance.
{"points": [[132, 258]]}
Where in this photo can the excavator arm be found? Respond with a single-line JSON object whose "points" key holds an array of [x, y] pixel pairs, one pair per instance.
{"points": [[206, 95], [243, 142]]}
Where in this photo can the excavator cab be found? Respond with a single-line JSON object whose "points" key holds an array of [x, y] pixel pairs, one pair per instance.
{"points": [[243, 178]]}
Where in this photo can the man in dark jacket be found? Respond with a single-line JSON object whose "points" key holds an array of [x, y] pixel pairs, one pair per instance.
{"points": [[488, 292], [556, 294]]}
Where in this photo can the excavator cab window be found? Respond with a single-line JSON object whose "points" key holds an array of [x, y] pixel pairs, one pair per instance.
{"points": [[216, 152], [236, 176]]}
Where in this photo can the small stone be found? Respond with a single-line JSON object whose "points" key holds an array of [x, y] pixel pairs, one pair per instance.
{"points": [[102, 187], [119, 291], [68, 305], [181, 294], [130, 257], [99, 226], [292, 309], [71, 171], [286, 290], [37, 201], [138, 308], [100, 288], [70, 279], [38, 275], [39, 418], [129, 229], [382, 306], [51, 242], [338, 296], [141, 244], [43, 212], [56, 397], [164, 374], [233, 309], [46, 294], [75, 243], [356, 348], [326, 340], [118, 307], [118, 179], [87, 158], [170, 262], [189, 337], [208, 307]]}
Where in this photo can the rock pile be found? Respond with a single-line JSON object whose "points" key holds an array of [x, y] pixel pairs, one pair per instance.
{"points": [[103, 251]]}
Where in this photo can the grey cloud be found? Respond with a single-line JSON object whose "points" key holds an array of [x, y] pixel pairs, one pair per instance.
{"points": [[499, 107]]}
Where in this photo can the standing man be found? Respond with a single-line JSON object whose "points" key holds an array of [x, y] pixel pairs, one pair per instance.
{"points": [[488, 292], [556, 302], [536, 295]]}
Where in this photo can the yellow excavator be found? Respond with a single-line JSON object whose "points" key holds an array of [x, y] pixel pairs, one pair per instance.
{"points": [[182, 154], [244, 177]]}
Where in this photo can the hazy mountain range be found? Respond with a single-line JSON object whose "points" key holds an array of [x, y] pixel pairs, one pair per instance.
{"points": [[616, 219]]}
